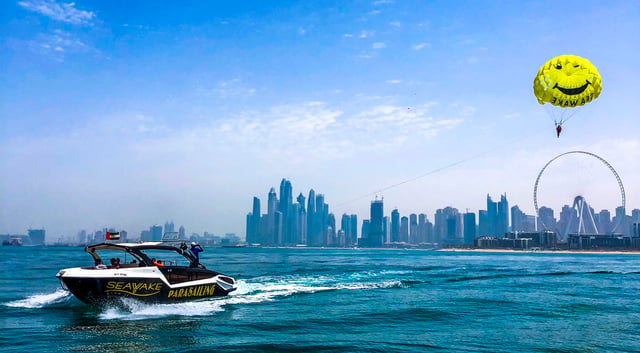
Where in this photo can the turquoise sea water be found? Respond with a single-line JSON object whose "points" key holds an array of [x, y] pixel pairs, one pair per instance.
{"points": [[329, 300]]}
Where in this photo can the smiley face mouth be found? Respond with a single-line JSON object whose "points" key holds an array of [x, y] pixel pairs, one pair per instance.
{"points": [[572, 91]]}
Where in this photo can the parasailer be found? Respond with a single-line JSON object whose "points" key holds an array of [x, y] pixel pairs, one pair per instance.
{"points": [[564, 84]]}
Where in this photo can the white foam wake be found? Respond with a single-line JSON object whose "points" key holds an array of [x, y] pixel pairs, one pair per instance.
{"points": [[41, 300]]}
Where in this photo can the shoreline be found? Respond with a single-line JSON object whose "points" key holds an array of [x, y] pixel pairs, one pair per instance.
{"points": [[512, 251], [546, 251]]}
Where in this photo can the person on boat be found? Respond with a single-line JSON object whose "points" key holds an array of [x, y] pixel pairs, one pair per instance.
{"points": [[100, 265], [157, 262], [196, 249]]}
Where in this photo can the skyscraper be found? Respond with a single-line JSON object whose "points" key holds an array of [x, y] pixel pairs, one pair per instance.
{"points": [[413, 229], [156, 232], [311, 215], [492, 217], [546, 219], [285, 207], [253, 230], [502, 225], [395, 226], [37, 236], [301, 221], [404, 229], [469, 225], [354, 229], [273, 224], [376, 231]]}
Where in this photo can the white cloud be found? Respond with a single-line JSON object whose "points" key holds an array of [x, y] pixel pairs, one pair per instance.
{"points": [[393, 81], [57, 45], [420, 46], [365, 34], [228, 88], [378, 45], [395, 24], [59, 12]]}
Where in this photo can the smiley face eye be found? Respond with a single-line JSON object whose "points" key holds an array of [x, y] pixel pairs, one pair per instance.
{"points": [[559, 66]]}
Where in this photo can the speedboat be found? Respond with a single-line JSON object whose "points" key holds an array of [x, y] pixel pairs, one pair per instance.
{"points": [[156, 272]]}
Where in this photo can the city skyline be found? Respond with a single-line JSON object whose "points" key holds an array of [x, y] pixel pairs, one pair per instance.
{"points": [[128, 114], [285, 223]]}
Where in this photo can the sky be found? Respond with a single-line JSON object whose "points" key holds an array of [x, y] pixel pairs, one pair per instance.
{"points": [[126, 114]]}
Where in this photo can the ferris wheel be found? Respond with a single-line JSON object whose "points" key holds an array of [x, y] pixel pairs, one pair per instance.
{"points": [[579, 202]]}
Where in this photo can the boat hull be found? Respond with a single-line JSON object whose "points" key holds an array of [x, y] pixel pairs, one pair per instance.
{"points": [[95, 290]]}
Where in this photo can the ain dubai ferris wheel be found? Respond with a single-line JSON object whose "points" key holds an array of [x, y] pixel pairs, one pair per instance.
{"points": [[583, 221]]}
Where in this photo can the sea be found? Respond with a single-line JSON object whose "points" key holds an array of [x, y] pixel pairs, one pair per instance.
{"points": [[340, 300]]}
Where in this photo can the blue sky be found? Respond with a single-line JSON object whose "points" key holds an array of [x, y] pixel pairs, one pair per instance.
{"points": [[130, 113]]}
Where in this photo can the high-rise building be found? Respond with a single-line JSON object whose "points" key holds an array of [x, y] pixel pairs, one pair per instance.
{"points": [[145, 235], [311, 217], [37, 236], [603, 221], [442, 228], [395, 226], [492, 217], [274, 225], [568, 222], [364, 238], [300, 228], [81, 238], [502, 225], [345, 226], [469, 225], [331, 234], [546, 220], [622, 222], [413, 229], [518, 219], [285, 207], [422, 228], [483, 223], [169, 227], [404, 229], [376, 232], [253, 223], [354, 229], [156, 232]]}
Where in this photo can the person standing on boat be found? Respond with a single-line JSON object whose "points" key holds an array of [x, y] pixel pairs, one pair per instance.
{"points": [[196, 249]]}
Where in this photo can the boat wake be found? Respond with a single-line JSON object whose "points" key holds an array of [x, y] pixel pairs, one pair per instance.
{"points": [[254, 291], [37, 301]]}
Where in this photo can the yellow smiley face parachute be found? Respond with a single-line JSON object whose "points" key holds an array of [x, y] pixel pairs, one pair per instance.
{"points": [[566, 82]]}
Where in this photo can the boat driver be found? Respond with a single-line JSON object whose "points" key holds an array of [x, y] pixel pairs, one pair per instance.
{"points": [[196, 249]]}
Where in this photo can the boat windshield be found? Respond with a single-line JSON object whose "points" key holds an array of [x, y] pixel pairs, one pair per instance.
{"points": [[143, 254], [166, 258]]}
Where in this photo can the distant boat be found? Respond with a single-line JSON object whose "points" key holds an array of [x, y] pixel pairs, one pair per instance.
{"points": [[13, 241], [176, 276]]}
